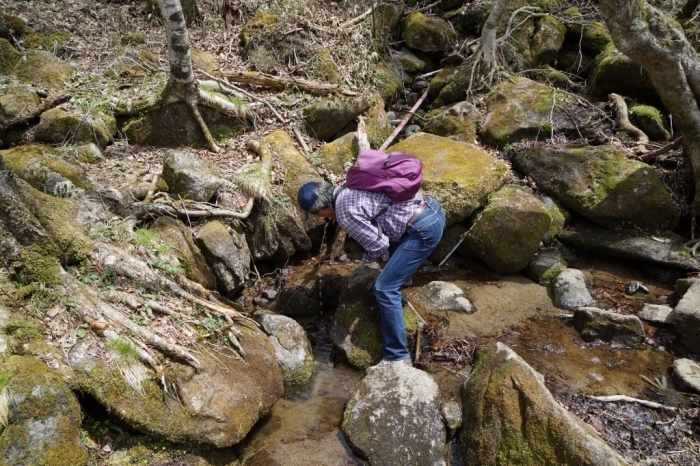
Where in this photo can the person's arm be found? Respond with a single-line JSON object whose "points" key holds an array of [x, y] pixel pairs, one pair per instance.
{"points": [[352, 215]]}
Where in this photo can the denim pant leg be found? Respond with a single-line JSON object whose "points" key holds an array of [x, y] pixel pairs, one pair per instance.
{"points": [[414, 247]]}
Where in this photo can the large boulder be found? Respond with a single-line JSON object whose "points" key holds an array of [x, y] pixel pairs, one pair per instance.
{"points": [[458, 174], [686, 317], [227, 254], [614, 72], [292, 348], [17, 100], [355, 325], [602, 184], [58, 126], [43, 417], [508, 232], [276, 231], [521, 109], [174, 233], [328, 116], [47, 170], [510, 417], [459, 122], [597, 324], [393, 418], [546, 41], [428, 34], [44, 69], [190, 177], [662, 249], [174, 126]]}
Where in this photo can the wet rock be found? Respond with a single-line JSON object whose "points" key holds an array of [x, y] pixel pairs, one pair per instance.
{"points": [[17, 100], [687, 374], [325, 118], [47, 170], [190, 177], [427, 34], [174, 233], [570, 290], [597, 324], [292, 348], [327, 289], [44, 69], [634, 287], [459, 174], [227, 254], [43, 416], [355, 325], [460, 122], [686, 316], [663, 250], [545, 266], [58, 126], [452, 415], [602, 184], [152, 452], [507, 233], [445, 296], [393, 415], [506, 401], [297, 302], [656, 314], [522, 109]]}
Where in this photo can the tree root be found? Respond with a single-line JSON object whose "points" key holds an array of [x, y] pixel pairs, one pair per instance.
{"points": [[281, 83], [623, 120], [649, 404], [653, 155]]}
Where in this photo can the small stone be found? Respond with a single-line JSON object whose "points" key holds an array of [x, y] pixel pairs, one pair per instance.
{"points": [[595, 377], [687, 374], [452, 414], [269, 294], [657, 314], [343, 258], [262, 302], [391, 116], [411, 129], [636, 287], [419, 85]]}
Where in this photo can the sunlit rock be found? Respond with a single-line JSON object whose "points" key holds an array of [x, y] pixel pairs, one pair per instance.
{"points": [[191, 177], [570, 290], [445, 296], [292, 348], [686, 316], [597, 324], [226, 252], [687, 374]]}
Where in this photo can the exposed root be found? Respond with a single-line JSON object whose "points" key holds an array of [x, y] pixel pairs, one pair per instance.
{"points": [[623, 120]]}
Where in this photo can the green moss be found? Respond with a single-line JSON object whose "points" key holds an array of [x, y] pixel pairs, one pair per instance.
{"points": [[44, 69], [9, 57], [45, 41], [124, 350], [365, 335], [41, 266], [26, 336], [14, 23], [650, 120], [262, 25], [325, 68], [23, 160]]}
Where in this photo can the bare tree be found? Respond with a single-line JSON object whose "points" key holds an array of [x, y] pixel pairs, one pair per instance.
{"points": [[657, 42]]}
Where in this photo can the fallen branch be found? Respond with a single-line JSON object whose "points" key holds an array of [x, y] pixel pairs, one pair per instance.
{"points": [[648, 404], [50, 102], [357, 19], [623, 120], [280, 83], [405, 120], [653, 155]]}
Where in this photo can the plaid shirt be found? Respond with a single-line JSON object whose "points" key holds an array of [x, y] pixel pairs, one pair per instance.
{"points": [[354, 210]]}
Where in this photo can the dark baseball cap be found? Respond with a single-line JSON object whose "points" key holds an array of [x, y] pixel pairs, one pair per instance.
{"points": [[306, 196]]}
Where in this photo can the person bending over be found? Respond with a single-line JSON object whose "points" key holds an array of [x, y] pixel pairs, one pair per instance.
{"points": [[403, 237]]}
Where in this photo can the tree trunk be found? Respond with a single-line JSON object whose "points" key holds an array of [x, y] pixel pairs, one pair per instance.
{"points": [[657, 42]]}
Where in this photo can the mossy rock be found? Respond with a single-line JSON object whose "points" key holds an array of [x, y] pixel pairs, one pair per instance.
{"points": [[325, 69], [292, 348], [560, 216], [47, 170], [262, 26], [511, 418], [58, 126], [89, 153], [650, 120], [602, 184], [136, 38], [597, 324], [545, 266], [11, 26], [204, 61], [547, 40], [458, 174], [133, 63], [438, 82], [263, 43], [388, 82], [615, 72], [48, 42], [592, 36], [575, 63], [18, 99], [508, 232], [325, 118], [147, 451], [427, 34], [44, 69], [386, 19], [377, 123], [44, 421], [459, 122], [174, 126], [337, 153], [410, 63], [9, 57]]}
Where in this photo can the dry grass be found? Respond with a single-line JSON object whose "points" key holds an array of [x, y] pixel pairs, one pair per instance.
{"points": [[5, 400]]}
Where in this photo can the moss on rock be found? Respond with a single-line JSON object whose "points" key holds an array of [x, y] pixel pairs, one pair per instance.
{"points": [[48, 42], [615, 72], [650, 120], [44, 69], [339, 152], [427, 34], [57, 125], [388, 82], [9, 57]]}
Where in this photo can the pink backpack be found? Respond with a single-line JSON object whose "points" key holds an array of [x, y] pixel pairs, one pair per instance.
{"points": [[397, 175]]}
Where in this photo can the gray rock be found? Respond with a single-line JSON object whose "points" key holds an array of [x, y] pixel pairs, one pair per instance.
{"points": [[269, 294], [89, 153], [292, 348], [597, 324], [687, 374], [656, 314], [452, 414], [445, 296], [419, 85], [570, 290], [506, 401], [227, 254], [634, 287], [628, 196], [545, 266], [17, 100], [411, 129], [509, 230], [393, 415], [686, 316], [428, 34], [325, 118], [191, 177]]}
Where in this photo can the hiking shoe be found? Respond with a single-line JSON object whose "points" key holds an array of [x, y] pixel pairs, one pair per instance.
{"points": [[384, 363]]}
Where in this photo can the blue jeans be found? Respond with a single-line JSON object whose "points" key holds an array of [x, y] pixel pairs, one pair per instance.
{"points": [[412, 249]]}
